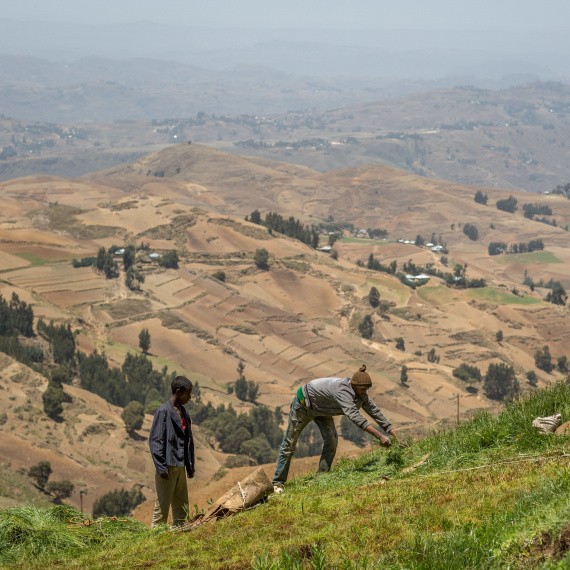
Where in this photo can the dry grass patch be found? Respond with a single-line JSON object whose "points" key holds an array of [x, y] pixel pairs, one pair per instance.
{"points": [[126, 308], [59, 217], [246, 230], [172, 230]]}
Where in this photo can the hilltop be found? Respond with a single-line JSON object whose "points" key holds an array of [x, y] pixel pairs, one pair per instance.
{"points": [[296, 321], [512, 138]]}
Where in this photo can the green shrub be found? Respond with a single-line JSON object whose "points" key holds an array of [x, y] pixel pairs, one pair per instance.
{"points": [[118, 503], [467, 373]]}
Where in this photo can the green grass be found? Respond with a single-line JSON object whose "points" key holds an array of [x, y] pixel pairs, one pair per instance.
{"points": [[438, 295], [37, 260], [534, 257], [364, 241], [500, 297], [493, 494]]}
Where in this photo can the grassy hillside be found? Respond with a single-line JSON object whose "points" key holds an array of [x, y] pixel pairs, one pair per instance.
{"points": [[296, 321], [492, 493]]}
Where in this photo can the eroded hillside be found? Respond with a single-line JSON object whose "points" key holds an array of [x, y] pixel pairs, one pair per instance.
{"points": [[293, 322]]}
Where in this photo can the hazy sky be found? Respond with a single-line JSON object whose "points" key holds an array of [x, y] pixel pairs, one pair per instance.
{"points": [[512, 15]]}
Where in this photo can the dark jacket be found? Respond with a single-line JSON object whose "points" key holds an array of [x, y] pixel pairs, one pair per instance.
{"points": [[169, 444]]}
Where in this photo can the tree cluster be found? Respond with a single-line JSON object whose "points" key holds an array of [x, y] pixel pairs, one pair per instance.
{"points": [[118, 503], [558, 295], [531, 210], [261, 259], [471, 231], [543, 359], [84, 262], [498, 247], [562, 190], [132, 383], [54, 396], [16, 317], [134, 278], [432, 356], [366, 327], [500, 382], [169, 259], [62, 341], [375, 265], [374, 297], [58, 490], [290, 227], [53, 399], [467, 373], [377, 233], [507, 204], [133, 416], [550, 222], [256, 433], [245, 390], [106, 262], [144, 340], [526, 247], [481, 198], [456, 279], [27, 354]]}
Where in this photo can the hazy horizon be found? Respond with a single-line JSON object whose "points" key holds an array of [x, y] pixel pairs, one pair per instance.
{"points": [[365, 50], [508, 15]]}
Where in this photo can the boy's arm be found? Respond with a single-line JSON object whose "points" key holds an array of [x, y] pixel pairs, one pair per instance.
{"points": [[157, 442], [191, 450]]}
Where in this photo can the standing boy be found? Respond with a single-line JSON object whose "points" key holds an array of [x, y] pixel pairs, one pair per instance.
{"points": [[172, 449]]}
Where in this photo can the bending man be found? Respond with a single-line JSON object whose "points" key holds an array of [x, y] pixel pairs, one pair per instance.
{"points": [[319, 401]]}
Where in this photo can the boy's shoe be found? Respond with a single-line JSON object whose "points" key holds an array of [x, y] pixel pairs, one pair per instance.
{"points": [[278, 489]]}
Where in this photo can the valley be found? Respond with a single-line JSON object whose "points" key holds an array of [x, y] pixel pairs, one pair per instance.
{"points": [[297, 320]]}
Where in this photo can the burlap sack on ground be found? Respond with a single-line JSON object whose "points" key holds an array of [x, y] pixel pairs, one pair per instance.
{"points": [[547, 424], [245, 494]]}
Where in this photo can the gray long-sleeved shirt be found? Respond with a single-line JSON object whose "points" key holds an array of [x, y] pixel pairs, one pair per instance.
{"points": [[335, 397]]}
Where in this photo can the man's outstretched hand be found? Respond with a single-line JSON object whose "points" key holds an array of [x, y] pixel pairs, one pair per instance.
{"points": [[385, 441], [393, 434]]}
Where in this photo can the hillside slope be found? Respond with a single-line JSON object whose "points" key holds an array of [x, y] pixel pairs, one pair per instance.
{"points": [[492, 493], [296, 321]]}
